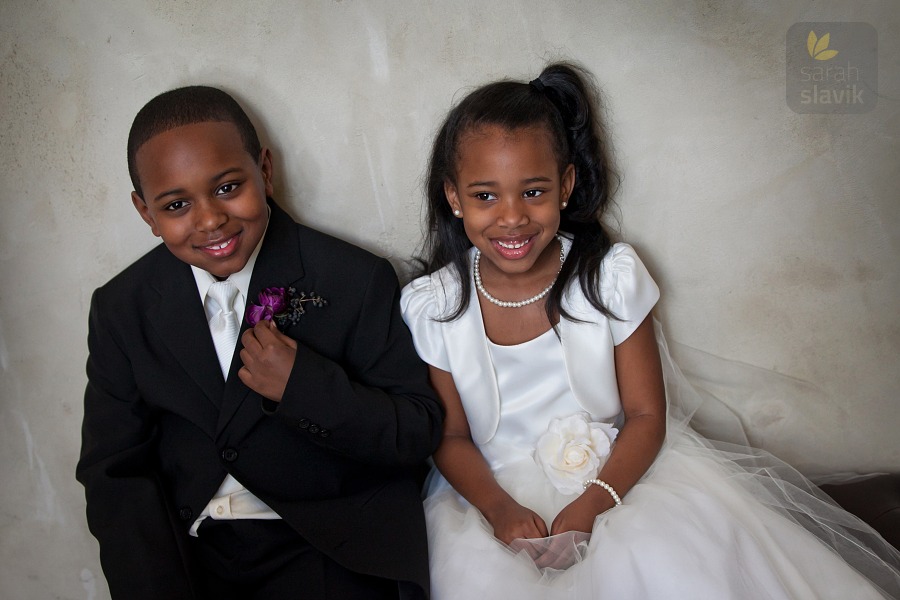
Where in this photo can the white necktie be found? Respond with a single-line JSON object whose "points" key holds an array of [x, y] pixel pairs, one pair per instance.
{"points": [[223, 321]]}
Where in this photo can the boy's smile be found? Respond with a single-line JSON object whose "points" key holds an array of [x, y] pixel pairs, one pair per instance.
{"points": [[204, 195]]}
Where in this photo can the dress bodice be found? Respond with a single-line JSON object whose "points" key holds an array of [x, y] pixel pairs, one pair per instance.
{"points": [[533, 391], [460, 347]]}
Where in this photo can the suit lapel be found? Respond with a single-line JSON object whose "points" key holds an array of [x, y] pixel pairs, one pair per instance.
{"points": [[179, 320], [277, 265]]}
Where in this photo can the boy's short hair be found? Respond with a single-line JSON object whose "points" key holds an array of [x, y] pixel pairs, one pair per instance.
{"points": [[186, 106]]}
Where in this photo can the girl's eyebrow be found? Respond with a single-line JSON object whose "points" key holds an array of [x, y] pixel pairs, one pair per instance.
{"points": [[528, 181], [481, 183]]}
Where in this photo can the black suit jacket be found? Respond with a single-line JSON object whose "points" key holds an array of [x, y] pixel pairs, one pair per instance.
{"points": [[337, 458]]}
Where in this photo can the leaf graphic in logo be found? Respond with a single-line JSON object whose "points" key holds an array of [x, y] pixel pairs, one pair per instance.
{"points": [[818, 47]]}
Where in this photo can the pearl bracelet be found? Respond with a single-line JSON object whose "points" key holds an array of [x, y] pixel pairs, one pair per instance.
{"points": [[606, 487]]}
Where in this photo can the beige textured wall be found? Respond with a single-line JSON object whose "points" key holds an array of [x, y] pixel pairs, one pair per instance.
{"points": [[774, 235]]}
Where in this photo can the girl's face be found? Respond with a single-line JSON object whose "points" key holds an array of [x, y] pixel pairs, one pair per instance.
{"points": [[509, 192]]}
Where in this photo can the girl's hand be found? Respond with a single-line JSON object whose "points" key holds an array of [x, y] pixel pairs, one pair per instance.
{"points": [[513, 521], [579, 515]]}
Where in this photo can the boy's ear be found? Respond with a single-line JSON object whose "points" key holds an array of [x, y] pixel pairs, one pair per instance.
{"points": [[144, 211], [452, 198], [267, 171]]}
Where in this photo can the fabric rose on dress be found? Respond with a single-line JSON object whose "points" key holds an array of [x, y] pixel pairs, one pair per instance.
{"points": [[573, 449]]}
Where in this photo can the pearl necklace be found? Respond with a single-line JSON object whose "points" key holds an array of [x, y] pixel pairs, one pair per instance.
{"points": [[520, 303]]}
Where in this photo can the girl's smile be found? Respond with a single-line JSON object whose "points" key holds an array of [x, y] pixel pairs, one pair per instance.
{"points": [[513, 249], [513, 245]]}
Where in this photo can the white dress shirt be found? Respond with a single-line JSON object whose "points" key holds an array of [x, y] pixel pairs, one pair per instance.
{"points": [[232, 500]]}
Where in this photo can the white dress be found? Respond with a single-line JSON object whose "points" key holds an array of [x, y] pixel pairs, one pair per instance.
{"points": [[703, 522]]}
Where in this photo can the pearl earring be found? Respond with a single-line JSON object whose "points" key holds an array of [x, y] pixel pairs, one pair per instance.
{"points": [[565, 204], [457, 212]]}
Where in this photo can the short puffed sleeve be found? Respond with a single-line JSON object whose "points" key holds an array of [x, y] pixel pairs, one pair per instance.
{"points": [[627, 290], [422, 304]]}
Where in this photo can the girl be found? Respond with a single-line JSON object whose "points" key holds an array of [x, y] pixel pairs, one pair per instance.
{"points": [[561, 472]]}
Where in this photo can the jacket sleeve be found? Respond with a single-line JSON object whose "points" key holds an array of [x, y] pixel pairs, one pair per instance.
{"points": [[385, 413], [141, 544]]}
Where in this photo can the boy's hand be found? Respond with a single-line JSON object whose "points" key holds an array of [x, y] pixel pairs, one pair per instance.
{"points": [[516, 521], [268, 357]]}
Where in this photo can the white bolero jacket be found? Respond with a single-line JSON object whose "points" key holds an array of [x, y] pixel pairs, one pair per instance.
{"points": [[460, 346]]}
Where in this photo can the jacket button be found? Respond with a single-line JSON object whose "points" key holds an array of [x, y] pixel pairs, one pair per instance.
{"points": [[303, 423], [230, 454], [185, 513], [314, 429], [324, 433]]}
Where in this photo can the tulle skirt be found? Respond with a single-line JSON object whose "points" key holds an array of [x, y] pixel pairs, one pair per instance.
{"points": [[708, 520]]}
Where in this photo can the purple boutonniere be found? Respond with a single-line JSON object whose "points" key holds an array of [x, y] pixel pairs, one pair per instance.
{"points": [[283, 306]]}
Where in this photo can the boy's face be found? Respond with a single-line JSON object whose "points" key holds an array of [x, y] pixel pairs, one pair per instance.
{"points": [[204, 195]]}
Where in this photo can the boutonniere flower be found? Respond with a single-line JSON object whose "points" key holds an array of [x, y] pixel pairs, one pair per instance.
{"points": [[284, 306], [573, 449]]}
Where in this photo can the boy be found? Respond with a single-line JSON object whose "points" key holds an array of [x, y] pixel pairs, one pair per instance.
{"points": [[285, 468]]}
